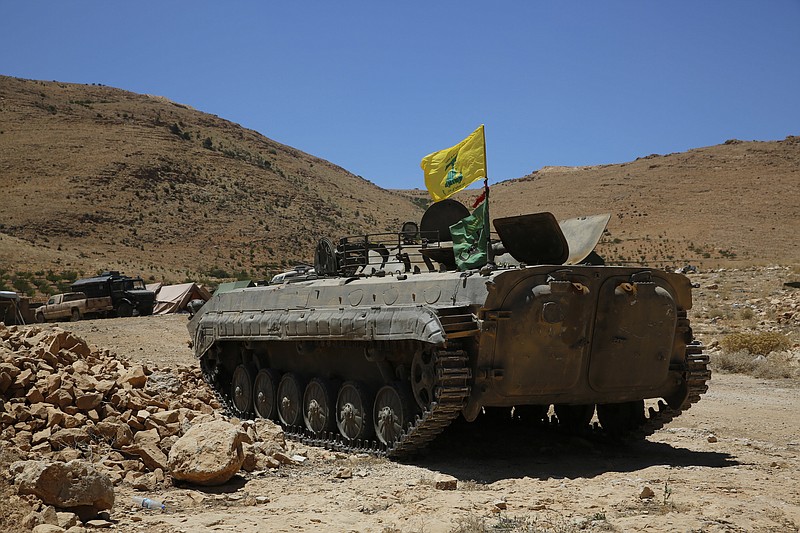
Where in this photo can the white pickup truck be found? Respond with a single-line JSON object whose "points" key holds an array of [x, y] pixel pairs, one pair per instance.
{"points": [[72, 306]]}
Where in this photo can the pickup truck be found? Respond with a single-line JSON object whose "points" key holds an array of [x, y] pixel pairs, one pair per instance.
{"points": [[126, 295], [72, 306]]}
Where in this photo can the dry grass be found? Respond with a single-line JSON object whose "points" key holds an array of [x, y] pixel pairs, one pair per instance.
{"points": [[778, 365], [759, 354], [548, 522], [761, 343]]}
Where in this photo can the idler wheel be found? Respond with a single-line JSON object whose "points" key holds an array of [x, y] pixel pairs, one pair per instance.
{"points": [[574, 418], [391, 413], [318, 402], [289, 399], [264, 393], [618, 418], [242, 391], [423, 378], [353, 415]]}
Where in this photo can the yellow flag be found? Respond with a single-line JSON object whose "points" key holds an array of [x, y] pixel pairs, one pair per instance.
{"points": [[448, 171]]}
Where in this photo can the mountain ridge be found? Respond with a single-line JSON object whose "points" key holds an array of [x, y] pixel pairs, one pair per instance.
{"points": [[100, 178]]}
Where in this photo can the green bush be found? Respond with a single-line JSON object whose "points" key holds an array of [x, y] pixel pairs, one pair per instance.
{"points": [[22, 285], [218, 273]]}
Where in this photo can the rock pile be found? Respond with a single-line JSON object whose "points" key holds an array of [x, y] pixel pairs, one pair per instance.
{"points": [[786, 307], [70, 407]]}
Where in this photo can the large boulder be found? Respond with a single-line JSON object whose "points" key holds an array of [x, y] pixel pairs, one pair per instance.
{"points": [[75, 486], [210, 453]]}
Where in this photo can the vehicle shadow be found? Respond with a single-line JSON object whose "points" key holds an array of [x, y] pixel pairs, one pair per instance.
{"points": [[486, 453]]}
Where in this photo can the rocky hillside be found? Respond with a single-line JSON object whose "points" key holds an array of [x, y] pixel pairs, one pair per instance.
{"points": [[734, 204], [96, 177]]}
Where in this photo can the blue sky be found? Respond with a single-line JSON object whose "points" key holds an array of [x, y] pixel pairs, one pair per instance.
{"points": [[374, 86]]}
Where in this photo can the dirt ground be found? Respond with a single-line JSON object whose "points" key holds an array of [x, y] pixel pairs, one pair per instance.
{"points": [[728, 464]]}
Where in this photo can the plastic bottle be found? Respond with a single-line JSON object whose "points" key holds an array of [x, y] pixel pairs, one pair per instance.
{"points": [[147, 503]]}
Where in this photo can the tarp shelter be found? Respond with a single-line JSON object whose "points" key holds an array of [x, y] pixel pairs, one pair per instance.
{"points": [[10, 312], [231, 285], [173, 298], [155, 287]]}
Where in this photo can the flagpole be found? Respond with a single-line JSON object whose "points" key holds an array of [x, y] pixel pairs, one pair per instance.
{"points": [[489, 251], [487, 223]]}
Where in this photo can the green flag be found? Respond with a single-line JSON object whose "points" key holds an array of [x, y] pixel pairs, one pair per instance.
{"points": [[471, 239]]}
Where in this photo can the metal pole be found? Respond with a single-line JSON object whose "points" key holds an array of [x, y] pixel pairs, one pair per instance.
{"points": [[486, 222]]}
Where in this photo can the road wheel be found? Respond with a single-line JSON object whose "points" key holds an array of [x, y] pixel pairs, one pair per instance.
{"points": [[353, 412], [391, 413], [40, 318], [264, 393], [76, 314], [318, 406], [290, 400], [125, 309], [242, 391]]}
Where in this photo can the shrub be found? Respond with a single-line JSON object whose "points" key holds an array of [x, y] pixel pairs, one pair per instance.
{"points": [[218, 273], [777, 366], [762, 343]]}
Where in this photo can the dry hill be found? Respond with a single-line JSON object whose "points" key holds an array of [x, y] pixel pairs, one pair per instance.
{"points": [[95, 177], [733, 204]]}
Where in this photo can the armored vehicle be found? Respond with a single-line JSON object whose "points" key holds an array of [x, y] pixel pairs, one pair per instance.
{"points": [[127, 295], [388, 343]]}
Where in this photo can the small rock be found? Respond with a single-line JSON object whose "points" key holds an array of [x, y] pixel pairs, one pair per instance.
{"points": [[48, 528], [67, 520], [500, 504], [262, 500], [445, 482], [283, 458], [646, 493], [580, 522], [99, 524], [711, 438], [344, 473]]}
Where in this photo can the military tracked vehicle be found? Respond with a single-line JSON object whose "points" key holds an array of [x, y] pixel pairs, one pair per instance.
{"points": [[387, 343]]}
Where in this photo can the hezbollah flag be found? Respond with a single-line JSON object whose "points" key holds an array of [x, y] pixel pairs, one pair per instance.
{"points": [[471, 239], [450, 170]]}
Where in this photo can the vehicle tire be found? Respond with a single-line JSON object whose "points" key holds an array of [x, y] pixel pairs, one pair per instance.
{"points": [[40, 318], [76, 314], [125, 309]]}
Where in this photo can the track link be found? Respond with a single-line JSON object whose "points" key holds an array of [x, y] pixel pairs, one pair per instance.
{"points": [[696, 376], [452, 390]]}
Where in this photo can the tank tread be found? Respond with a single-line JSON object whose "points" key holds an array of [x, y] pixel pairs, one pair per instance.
{"points": [[452, 391], [451, 394], [696, 376]]}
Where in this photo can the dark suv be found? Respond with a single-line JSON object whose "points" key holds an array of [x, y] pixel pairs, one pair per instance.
{"points": [[128, 295]]}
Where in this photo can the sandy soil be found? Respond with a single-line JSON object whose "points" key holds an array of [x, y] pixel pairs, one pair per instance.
{"points": [[745, 481], [728, 464]]}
